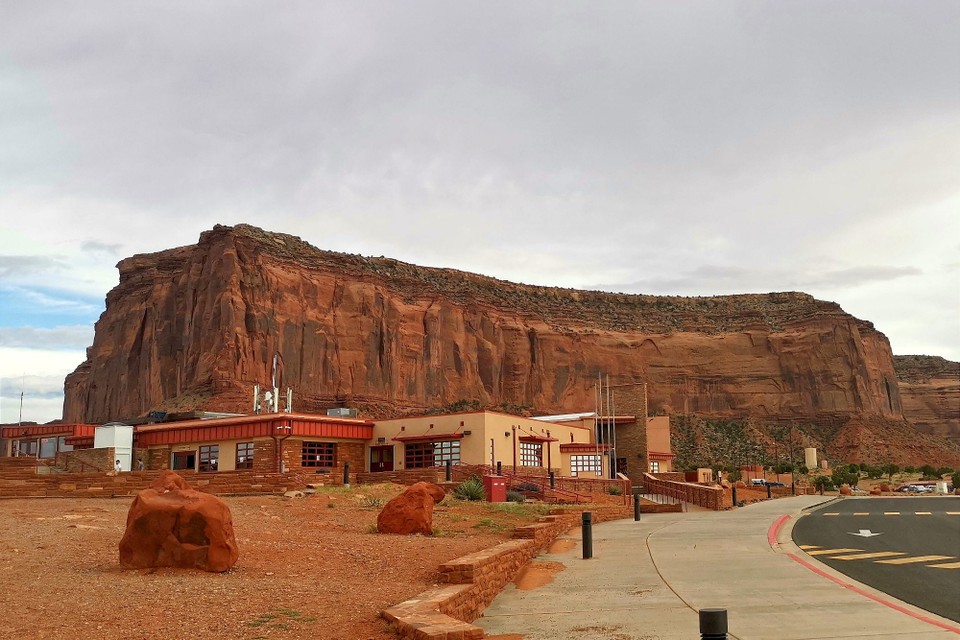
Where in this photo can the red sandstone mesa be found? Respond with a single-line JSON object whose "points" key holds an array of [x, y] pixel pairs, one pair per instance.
{"points": [[195, 327], [411, 511], [171, 524]]}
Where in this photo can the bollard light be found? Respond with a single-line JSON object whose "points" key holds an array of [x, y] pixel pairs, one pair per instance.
{"points": [[713, 624], [587, 534]]}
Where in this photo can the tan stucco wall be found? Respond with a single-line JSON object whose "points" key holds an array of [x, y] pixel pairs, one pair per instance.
{"points": [[484, 427]]}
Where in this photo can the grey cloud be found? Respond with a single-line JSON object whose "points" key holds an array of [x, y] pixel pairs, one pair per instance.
{"points": [[94, 246], [74, 337], [15, 267]]}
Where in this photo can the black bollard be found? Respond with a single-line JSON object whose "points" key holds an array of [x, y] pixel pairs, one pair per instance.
{"points": [[449, 470], [713, 624], [553, 480], [346, 473], [636, 507], [499, 468], [587, 531], [769, 491], [734, 494]]}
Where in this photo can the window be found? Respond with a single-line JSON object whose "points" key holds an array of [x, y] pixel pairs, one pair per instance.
{"points": [[209, 453], [420, 455], [318, 454], [654, 467], [244, 455], [587, 463], [531, 454]]}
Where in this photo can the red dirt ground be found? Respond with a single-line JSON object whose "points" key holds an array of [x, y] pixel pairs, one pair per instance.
{"points": [[308, 568]]}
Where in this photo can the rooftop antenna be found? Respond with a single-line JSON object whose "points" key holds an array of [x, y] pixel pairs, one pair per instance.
{"points": [[20, 417]]}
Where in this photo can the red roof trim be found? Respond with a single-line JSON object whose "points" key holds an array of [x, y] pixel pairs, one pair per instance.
{"points": [[660, 455], [25, 431], [429, 438]]}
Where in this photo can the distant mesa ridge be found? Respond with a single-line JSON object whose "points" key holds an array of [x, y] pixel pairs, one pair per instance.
{"points": [[194, 327]]}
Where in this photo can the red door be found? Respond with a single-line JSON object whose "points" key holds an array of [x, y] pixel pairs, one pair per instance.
{"points": [[381, 458]]}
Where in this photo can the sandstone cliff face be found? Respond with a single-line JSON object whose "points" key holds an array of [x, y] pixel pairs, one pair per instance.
{"points": [[930, 392], [195, 327]]}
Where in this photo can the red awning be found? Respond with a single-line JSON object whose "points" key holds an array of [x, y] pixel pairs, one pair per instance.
{"points": [[540, 439], [429, 437], [583, 447]]}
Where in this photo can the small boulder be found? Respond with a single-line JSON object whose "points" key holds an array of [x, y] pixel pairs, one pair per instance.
{"points": [[411, 511], [171, 524]]}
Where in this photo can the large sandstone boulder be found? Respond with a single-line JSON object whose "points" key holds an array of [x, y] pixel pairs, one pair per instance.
{"points": [[170, 524], [411, 511]]}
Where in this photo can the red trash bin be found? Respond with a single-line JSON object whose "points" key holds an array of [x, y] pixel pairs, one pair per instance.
{"points": [[496, 488]]}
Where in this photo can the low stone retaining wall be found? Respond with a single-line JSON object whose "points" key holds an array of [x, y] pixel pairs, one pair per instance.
{"points": [[474, 580]]}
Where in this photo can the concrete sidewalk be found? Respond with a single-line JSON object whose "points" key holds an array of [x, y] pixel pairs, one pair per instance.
{"points": [[648, 579]]}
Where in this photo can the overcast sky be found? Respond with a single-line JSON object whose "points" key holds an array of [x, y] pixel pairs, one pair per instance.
{"points": [[689, 148]]}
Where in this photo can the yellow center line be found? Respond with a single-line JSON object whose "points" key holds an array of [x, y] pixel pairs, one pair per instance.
{"points": [[922, 513], [870, 556], [914, 559], [891, 513], [824, 552], [949, 565]]}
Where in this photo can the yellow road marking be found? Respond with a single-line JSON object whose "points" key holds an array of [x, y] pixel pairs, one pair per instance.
{"points": [[824, 552], [870, 556], [914, 560], [949, 565], [861, 513], [891, 513], [809, 546], [921, 513], [835, 513]]}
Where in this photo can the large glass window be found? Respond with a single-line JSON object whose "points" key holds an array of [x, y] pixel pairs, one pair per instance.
{"points": [[209, 455], [318, 454], [420, 455], [531, 454], [244, 455], [589, 463]]}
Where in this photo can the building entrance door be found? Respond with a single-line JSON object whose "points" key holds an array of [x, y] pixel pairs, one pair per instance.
{"points": [[184, 460], [381, 458]]}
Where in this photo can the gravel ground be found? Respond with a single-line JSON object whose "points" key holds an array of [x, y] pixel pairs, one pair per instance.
{"points": [[308, 568]]}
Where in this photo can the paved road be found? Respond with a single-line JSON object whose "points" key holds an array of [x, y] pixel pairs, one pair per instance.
{"points": [[916, 557]]}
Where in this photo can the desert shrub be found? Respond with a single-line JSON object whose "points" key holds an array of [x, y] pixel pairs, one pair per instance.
{"points": [[515, 496], [843, 475], [614, 490], [928, 472], [470, 489], [824, 482], [371, 502], [529, 487]]}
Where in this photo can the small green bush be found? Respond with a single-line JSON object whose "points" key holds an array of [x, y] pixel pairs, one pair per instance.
{"points": [[470, 489], [516, 496]]}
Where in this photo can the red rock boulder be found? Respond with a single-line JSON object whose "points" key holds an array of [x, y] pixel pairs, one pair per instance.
{"points": [[411, 511], [170, 524]]}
